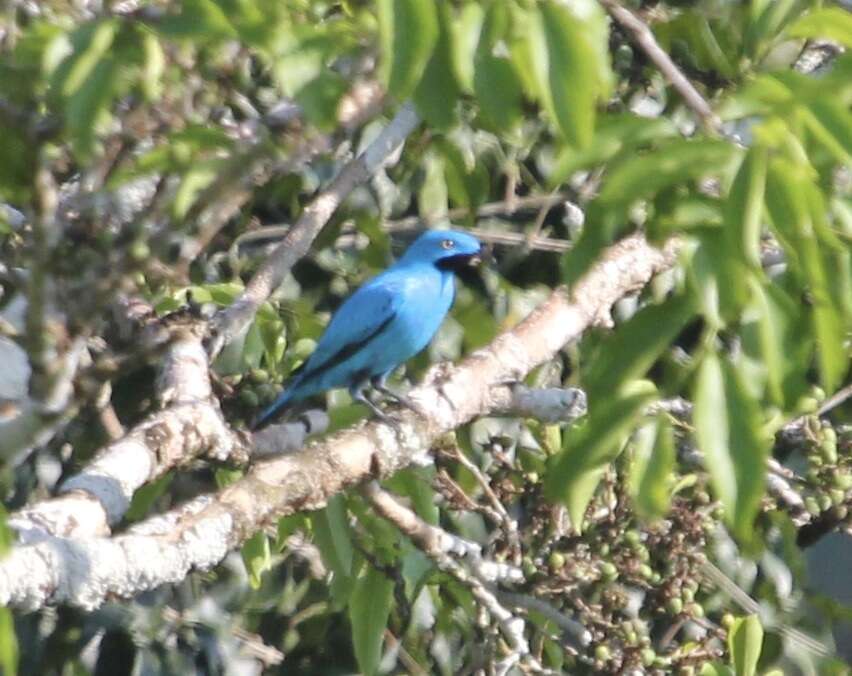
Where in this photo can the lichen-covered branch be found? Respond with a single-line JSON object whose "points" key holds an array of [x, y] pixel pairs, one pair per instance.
{"points": [[163, 549], [190, 425]]}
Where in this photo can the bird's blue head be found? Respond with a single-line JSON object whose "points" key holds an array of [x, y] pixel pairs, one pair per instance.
{"points": [[445, 249]]}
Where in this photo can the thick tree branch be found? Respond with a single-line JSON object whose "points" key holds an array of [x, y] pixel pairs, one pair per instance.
{"points": [[190, 425], [164, 549]]}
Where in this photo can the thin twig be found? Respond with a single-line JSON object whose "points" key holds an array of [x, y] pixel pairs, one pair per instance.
{"points": [[507, 523], [644, 37], [835, 400]]}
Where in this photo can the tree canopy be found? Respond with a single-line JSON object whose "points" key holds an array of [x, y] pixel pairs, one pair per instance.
{"points": [[634, 453]]}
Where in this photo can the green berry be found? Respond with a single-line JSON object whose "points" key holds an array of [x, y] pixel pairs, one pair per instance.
{"points": [[556, 561], [812, 506], [602, 653], [843, 481], [648, 656], [633, 537], [608, 571], [249, 398], [140, 251], [675, 606], [695, 610]]}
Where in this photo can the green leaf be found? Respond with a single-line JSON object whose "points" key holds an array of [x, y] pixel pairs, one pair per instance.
{"points": [[195, 180], [93, 45], [154, 66], [257, 558], [745, 642], [574, 473], [408, 31], [333, 536], [628, 353], [7, 538], [614, 134], [640, 176], [716, 669], [369, 608], [495, 82], [467, 180], [202, 20], [432, 195], [320, 98], [833, 23], [796, 209], [8, 643], [783, 344], [416, 484], [728, 429], [437, 94], [144, 498], [830, 122], [653, 467], [570, 59], [744, 207], [466, 28]]}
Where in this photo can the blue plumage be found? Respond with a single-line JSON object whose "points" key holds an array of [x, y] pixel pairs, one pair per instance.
{"points": [[388, 320]]}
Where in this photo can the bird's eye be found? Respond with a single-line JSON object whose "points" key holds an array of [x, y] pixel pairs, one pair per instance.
{"points": [[448, 244]]}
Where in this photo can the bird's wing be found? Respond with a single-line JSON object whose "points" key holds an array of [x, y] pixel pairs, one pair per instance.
{"points": [[362, 317]]}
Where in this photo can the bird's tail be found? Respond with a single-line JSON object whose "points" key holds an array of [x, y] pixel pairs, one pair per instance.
{"points": [[274, 411]]}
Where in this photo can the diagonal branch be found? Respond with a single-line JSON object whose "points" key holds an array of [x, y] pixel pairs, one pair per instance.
{"points": [[298, 240], [644, 37], [197, 536]]}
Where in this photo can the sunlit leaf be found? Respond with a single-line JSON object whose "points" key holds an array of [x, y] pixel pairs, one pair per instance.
{"points": [[408, 31], [728, 431], [833, 23], [672, 162], [614, 134], [784, 346], [568, 45], [745, 643], [466, 27], [797, 220], [8, 643], [637, 343], [744, 206], [574, 473], [257, 557], [653, 467]]}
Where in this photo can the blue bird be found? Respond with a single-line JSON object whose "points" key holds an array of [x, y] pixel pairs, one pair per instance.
{"points": [[388, 320]]}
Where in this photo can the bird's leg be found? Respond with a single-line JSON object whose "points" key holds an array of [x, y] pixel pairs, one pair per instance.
{"points": [[357, 394], [378, 383]]}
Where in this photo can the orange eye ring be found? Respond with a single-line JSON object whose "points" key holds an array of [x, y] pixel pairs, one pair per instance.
{"points": [[448, 244]]}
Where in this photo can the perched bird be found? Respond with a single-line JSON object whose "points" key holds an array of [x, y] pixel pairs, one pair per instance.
{"points": [[388, 320]]}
